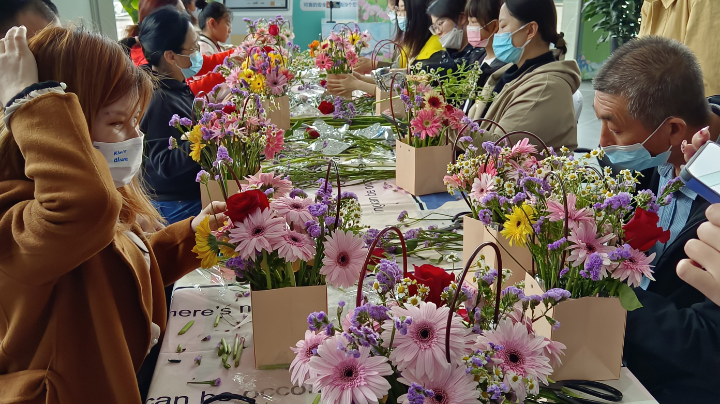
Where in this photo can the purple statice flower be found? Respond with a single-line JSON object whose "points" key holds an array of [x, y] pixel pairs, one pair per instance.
{"points": [[313, 229], [317, 209], [322, 190], [388, 274], [348, 195], [564, 271], [492, 149], [297, 192], [476, 329], [198, 359], [513, 290], [555, 245], [238, 265], [472, 148], [670, 184], [417, 394], [341, 303], [490, 277], [314, 321], [537, 226], [520, 197], [488, 198], [172, 143], [354, 353], [556, 325], [619, 201], [494, 392], [533, 298], [370, 236], [207, 134], [593, 266], [175, 120], [223, 157], [623, 252], [269, 192], [202, 177], [330, 221], [485, 216], [555, 295], [403, 215], [465, 139], [412, 234], [329, 329], [540, 184], [185, 122], [379, 313]]}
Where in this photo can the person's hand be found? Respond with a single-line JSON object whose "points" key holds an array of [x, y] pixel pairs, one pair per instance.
{"points": [[342, 85], [17, 64], [698, 139], [216, 212], [704, 252], [363, 66]]}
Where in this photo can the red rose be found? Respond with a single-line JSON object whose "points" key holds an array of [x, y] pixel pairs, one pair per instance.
{"points": [[268, 49], [326, 107], [323, 83], [273, 30], [642, 231], [242, 204], [311, 133], [434, 278], [229, 109]]}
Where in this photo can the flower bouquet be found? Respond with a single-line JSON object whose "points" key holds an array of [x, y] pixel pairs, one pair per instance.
{"points": [[585, 230], [228, 141], [287, 246], [476, 346], [423, 151], [275, 32], [339, 53]]}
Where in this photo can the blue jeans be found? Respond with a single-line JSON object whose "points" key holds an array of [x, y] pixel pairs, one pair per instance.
{"points": [[175, 211]]}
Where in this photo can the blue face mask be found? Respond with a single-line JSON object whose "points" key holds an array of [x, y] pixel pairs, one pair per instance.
{"points": [[196, 61], [635, 156], [504, 49], [402, 23]]}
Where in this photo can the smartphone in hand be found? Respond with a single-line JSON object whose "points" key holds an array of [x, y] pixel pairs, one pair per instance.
{"points": [[702, 173]]}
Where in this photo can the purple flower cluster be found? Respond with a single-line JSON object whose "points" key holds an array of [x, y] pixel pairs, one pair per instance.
{"points": [[403, 215], [349, 195], [623, 252], [538, 224], [238, 265], [652, 206], [555, 295], [412, 234], [202, 177], [364, 314], [513, 290], [520, 197], [497, 390], [223, 157], [313, 228], [490, 277], [175, 120], [297, 192], [564, 271], [593, 267], [317, 321], [417, 394], [388, 274], [318, 209], [535, 184], [615, 202], [362, 336], [492, 149], [557, 244], [402, 324], [485, 216], [465, 139]]}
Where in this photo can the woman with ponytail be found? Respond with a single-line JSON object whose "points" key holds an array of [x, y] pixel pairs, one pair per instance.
{"points": [[534, 91]]}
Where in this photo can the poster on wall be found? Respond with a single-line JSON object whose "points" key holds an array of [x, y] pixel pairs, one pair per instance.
{"points": [[256, 4], [345, 13], [373, 11]]}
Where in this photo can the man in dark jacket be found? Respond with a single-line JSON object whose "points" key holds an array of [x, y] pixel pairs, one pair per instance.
{"points": [[650, 96]]}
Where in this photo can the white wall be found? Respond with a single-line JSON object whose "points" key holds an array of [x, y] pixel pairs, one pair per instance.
{"points": [[95, 14]]}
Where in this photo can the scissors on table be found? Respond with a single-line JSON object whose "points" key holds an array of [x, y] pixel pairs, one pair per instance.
{"points": [[595, 389]]}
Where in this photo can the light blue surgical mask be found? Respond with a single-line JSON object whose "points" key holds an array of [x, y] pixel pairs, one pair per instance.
{"points": [[402, 23], [196, 60], [504, 49], [636, 156]]}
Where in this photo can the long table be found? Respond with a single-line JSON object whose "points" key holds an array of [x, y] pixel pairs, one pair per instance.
{"points": [[202, 295]]}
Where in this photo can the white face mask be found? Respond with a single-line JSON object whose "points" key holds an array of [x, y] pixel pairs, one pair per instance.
{"points": [[123, 158], [453, 39]]}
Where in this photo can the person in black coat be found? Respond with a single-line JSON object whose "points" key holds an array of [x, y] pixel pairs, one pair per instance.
{"points": [[170, 44], [672, 343]]}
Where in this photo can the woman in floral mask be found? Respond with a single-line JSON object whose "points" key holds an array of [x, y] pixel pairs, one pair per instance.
{"points": [[81, 287]]}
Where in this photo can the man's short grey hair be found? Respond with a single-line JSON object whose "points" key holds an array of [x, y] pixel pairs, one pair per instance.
{"points": [[659, 78]]}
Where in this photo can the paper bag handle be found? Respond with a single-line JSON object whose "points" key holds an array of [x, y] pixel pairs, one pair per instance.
{"points": [[460, 282], [380, 45], [358, 300], [480, 120]]}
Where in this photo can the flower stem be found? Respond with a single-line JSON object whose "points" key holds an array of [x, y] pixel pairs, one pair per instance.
{"points": [[290, 274], [266, 269]]}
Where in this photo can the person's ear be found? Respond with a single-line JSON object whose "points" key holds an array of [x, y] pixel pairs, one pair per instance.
{"points": [[677, 130], [494, 26], [211, 23], [462, 20], [170, 57], [533, 30]]}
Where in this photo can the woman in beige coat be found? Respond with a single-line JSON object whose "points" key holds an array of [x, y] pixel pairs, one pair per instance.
{"points": [[534, 92]]}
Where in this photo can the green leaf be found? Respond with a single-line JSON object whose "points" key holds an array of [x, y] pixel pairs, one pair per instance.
{"points": [[411, 244], [317, 400], [628, 298]]}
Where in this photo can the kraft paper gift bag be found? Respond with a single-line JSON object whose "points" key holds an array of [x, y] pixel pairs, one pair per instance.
{"points": [[382, 99], [279, 112], [592, 329], [280, 320], [517, 259], [420, 171], [215, 193]]}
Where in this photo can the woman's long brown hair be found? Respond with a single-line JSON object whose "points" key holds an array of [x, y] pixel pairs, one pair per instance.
{"points": [[98, 71]]}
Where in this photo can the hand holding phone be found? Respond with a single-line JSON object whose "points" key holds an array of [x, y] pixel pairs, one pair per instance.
{"points": [[702, 172]]}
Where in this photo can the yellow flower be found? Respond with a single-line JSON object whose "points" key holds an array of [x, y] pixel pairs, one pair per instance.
{"points": [[195, 136], [519, 225], [228, 252], [206, 245], [247, 74], [196, 151], [354, 38], [257, 85]]}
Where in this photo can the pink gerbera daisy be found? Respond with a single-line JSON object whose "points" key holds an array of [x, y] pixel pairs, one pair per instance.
{"points": [[275, 142], [481, 187], [265, 181], [259, 231], [523, 147], [352, 57], [294, 210], [234, 77], [422, 349], [323, 61], [344, 258], [585, 242], [425, 124], [523, 353], [346, 379], [554, 349], [451, 385], [276, 82], [575, 216], [635, 267], [293, 246], [300, 370], [452, 181]]}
